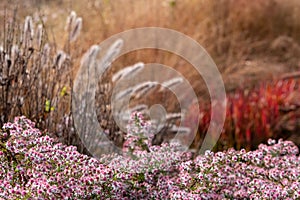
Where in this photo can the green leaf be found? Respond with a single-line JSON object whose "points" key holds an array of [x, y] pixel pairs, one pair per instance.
{"points": [[47, 106], [63, 91]]}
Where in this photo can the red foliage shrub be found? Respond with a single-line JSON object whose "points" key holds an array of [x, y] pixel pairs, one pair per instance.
{"points": [[252, 116]]}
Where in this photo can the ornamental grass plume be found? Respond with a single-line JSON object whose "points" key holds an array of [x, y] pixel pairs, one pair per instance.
{"points": [[33, 67]]}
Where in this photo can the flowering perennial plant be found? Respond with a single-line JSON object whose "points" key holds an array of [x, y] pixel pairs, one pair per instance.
{"points": [[34, 166]]}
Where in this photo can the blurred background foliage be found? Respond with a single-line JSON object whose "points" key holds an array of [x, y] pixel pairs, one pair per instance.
{"points": [[252, 42]]}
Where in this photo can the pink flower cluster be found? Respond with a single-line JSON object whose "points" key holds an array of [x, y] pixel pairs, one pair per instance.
{"points": [[34, 166]]}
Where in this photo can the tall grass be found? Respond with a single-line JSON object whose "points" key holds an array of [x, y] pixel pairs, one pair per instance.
{"points": [[36, 78]]}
